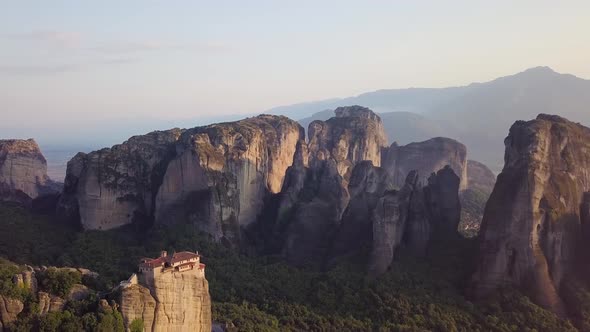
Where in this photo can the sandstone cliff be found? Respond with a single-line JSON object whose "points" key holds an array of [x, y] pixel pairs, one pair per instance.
{"points": [[353, 135], [481, 181], [316, 195], [215, 176], [223, 172], [174, 301], [367, 186], [414, 216], [23, 172], [480, 177], [425, 157], [9, 309], [534, 220], [110, 187]]}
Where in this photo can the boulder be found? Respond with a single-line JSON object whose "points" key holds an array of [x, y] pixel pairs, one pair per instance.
{"points": [[9, 309]]}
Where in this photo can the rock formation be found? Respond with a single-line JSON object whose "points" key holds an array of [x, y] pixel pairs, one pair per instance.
{"points": [[23, 172], [426, 157], [353, 135], [9, 309], [535, 218], [413, 216], [215, 176], [481, 182], [169, 294], [222, 173], [480, 177], [315, 197], [113, 186], [367, 185]]}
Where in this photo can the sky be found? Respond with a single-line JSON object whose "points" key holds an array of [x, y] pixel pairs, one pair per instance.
{"points": [[65, 65]]}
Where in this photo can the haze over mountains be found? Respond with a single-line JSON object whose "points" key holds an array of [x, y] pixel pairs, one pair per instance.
{"points": [[476, 115]]}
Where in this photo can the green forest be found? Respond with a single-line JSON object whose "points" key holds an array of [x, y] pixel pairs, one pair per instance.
{"points": [[253, 293]]}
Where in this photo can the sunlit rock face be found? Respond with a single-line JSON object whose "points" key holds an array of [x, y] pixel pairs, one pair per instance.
{"points": [[222, 173], [215, 177], [23, 172], [111, 187], [535, 222], [426, 157], [353, 135], [167, 300]]}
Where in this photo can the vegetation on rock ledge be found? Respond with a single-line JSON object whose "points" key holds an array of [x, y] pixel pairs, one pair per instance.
{"points": [[264, 294]]}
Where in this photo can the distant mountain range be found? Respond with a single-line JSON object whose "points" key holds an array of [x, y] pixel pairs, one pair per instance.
{"points": [[478, 114]]}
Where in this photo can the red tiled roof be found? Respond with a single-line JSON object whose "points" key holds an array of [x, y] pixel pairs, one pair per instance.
{"points": [[176, 257], [181, 256], [153, 262]]}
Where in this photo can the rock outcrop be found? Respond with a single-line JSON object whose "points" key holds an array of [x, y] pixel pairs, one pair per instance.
{"points": [[480, 177], [533, 226], [112, 187], [223, 172], [215, 176], [367, 186], [426, 157], [168, 297], [9, 309], [413, 216], [353, 135], [23, 172], [138, 303], [316, 193], [50, 303], [481, 181]]}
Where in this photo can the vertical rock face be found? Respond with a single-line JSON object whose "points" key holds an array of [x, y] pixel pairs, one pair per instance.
{"points": [[222, 173], [534, 217], [481, 182], [354, 135], [215, 176], [366, 187], [9, 309], [23, 171], [426, 157], [442, 200], [138, 303], [170, 294], [182, 303], [413, 216], [315, 197], [312, 221], [480, 177], [110, 187]]}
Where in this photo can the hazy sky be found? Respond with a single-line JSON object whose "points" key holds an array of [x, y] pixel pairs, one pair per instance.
{"points": [[63, 62]]}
